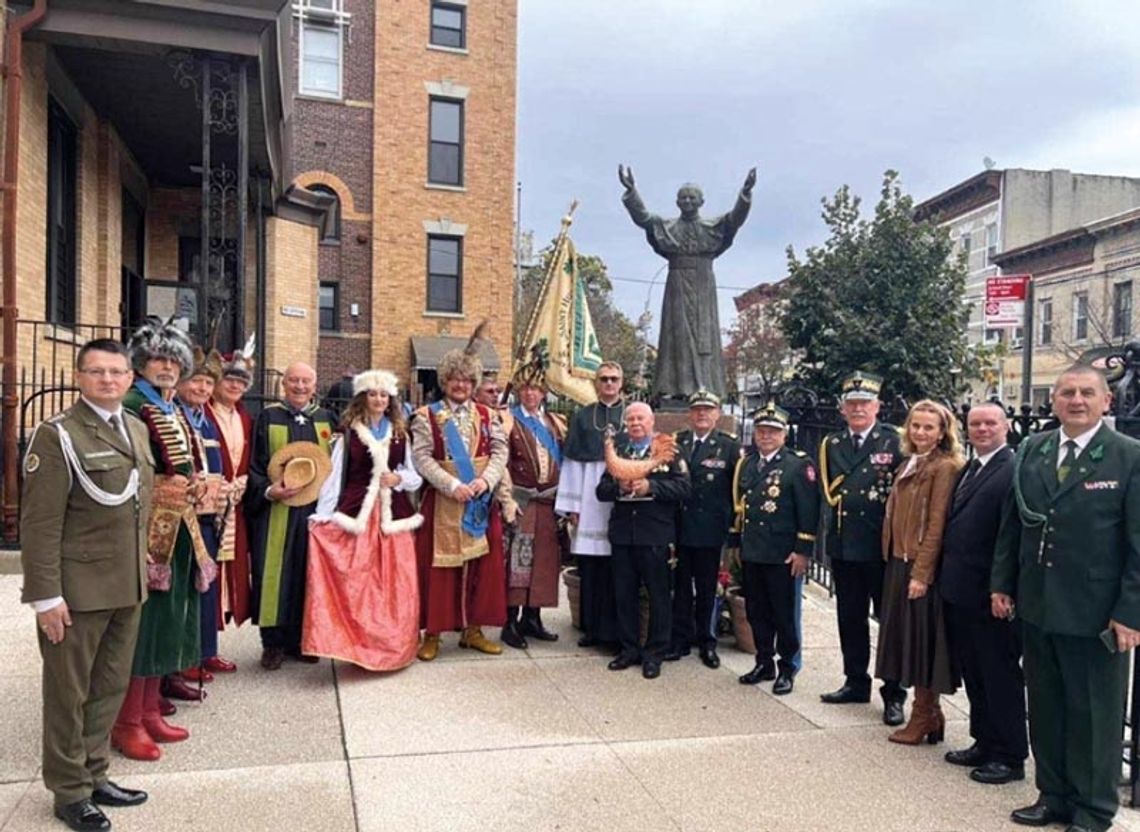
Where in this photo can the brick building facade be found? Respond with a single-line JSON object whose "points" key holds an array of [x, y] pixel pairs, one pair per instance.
{"points": [[405, 111]]}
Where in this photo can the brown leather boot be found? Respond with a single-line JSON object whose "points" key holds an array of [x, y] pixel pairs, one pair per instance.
{"points": [[473, 637], [926, 720], [429, 649]]}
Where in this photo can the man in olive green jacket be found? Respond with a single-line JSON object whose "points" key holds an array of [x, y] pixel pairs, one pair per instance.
{"points": [[1068, 555], [87, 480]]}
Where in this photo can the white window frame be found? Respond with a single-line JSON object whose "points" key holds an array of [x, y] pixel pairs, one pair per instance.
{"points": [[328, 16], [1043, 321], [1080, 315]]}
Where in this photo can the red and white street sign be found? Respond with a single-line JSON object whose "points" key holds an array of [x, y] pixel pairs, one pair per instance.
{"points": [[1005, 300]]}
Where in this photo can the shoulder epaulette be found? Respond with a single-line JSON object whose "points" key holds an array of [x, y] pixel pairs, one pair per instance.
{"points": [[730, 435], [799, 453]]}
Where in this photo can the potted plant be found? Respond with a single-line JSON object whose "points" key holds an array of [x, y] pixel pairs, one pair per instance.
{"points": [[734, 596]]}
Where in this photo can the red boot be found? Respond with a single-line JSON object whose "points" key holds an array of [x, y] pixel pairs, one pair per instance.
{"points": [[194, 674], [216, 664], [128, 735], [158, 728]]}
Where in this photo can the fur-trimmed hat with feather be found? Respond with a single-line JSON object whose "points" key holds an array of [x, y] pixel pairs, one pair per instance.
{"points": [[464, 363], [240, 363]]}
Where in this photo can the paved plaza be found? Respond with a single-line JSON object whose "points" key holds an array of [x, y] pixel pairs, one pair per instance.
{"points": [[542, 740]]}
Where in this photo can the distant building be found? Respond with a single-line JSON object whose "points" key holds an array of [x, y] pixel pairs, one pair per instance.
{"points": [[405, 114], [999, 210], [1085, 281]]}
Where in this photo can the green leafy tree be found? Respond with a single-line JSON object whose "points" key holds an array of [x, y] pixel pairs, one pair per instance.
{"points": [[617, 334], [882, 295]]}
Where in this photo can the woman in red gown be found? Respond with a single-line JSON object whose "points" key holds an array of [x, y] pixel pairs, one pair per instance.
{"points": [[362, 596]]}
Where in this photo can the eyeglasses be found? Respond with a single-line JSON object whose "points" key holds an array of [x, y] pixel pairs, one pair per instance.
{"points": [[609, 379], [103, 372]]}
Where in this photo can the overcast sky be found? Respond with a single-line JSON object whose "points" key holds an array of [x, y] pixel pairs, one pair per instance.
{"points": [[816, 94]]}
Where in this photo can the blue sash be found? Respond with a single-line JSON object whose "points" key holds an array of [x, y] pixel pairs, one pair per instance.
{"points": [[540, 432], [477, 511], [153, 396]]}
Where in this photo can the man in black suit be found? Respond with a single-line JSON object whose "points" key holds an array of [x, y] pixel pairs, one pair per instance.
{"points": [[986, 649], [642, 529]]}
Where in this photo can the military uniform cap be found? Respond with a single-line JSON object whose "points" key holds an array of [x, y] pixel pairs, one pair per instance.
{"points": [[861, 385], [770, 415], [704, 398]]}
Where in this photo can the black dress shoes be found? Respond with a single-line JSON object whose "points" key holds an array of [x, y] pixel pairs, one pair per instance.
{"points": [[650, 670], [1076, 827], [1039, 814], [112, 794], [709, 658], [972, 757], [994, 773], [674, 654], [83, 816], [758, 674], [893, 712], [622, 662], [845, 695], [589, 641], [783, 684]]}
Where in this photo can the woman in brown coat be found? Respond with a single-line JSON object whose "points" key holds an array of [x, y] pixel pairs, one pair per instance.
{"points": [[912, 634]]}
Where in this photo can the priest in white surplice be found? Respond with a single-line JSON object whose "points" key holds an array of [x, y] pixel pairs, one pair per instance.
{"points": [[583, 464]]}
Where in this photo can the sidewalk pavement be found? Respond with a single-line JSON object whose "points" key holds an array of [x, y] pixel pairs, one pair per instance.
{"points": [[546, 739]]}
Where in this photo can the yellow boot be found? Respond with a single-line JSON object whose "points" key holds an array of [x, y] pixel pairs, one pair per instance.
{"points": [[430, 647], [473, 637]]}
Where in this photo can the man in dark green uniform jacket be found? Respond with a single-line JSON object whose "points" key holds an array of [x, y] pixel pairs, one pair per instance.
{"points": [[777, 509], [703, 522], [88, 477], [1068, 555], [857, 466]]}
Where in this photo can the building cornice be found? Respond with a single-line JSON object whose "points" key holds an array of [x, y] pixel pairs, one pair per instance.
{"points": [[965, 196]]}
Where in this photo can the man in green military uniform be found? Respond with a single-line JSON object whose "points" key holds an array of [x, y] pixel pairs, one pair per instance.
{"points": [[1068, 555], [777, 511], [857, 466], [703, 522], [88, 476]]}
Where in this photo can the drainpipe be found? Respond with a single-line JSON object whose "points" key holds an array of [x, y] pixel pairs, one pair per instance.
{"points": [[13, 82]]}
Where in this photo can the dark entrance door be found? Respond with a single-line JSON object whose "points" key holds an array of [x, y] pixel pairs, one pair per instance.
{"points": [[132, 296]]}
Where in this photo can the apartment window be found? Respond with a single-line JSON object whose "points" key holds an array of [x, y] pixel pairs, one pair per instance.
{"points": [[445, 153], [328, 306], [448, 25], [991, 242], [1045, 316], [321, 49], [61, 220], [445, 274], [1080, 316], [992, 336], [966, 245], [332, 232], [1122, 310]]}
